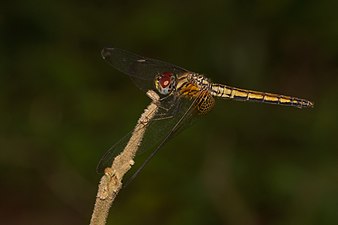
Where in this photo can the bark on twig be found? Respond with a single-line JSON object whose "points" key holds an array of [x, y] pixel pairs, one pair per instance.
{"points": [[111, 181]]}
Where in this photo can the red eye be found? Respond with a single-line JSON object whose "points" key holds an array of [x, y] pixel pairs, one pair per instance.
{"points": [[165, 79]]}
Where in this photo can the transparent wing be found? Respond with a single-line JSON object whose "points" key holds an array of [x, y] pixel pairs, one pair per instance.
{"points": [[173, 114], [160, 129], [141, 70]]}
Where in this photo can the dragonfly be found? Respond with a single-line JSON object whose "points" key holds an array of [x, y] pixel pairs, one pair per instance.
{"points": [[184, 96]]}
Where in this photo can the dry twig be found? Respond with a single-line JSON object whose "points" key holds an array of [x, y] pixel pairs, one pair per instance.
{"points": [[111, 181]]}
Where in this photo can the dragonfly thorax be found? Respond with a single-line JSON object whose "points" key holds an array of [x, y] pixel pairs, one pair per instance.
{"points": [[200, 81]]}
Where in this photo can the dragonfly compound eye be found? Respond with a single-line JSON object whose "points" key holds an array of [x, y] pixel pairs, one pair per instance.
{"points": [[165, 83]]}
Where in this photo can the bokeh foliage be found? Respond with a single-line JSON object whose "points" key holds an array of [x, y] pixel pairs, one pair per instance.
{"points": [[61, 106]]}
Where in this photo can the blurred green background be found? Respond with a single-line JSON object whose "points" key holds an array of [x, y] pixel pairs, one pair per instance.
{"points": [[62, 107]]}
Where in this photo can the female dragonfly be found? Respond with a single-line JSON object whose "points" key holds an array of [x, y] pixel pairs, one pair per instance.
{"points": [[183, 96]]}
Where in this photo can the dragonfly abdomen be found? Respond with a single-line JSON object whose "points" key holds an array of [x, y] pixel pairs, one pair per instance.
{"points": [[224, 91]]}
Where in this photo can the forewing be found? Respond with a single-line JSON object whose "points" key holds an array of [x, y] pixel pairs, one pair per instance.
{"points": [[142, 70]]}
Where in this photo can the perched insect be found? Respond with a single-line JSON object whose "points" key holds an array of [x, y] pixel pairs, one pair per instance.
{"points": [[183, 95]]}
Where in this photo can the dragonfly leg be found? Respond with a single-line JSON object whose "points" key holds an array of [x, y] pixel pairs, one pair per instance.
{"points": [[163, 117]]}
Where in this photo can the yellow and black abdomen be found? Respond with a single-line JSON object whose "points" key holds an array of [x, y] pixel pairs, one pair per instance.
{"points": [[224, 91]]}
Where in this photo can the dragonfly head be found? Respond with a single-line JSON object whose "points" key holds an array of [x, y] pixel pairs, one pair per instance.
{"points": [[165, 83]]}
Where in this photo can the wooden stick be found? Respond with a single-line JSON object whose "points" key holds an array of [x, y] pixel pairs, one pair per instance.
{"points": [[111, 181]]}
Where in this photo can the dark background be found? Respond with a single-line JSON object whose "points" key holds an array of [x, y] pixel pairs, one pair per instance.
{"points": [[62, 106]]}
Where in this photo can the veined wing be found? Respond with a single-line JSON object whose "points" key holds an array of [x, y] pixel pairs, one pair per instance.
{"points": [[166, 123], [142, 70]]}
